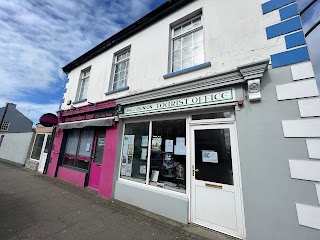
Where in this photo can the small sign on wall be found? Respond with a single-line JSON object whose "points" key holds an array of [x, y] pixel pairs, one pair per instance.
{"points": [[209, 156]]}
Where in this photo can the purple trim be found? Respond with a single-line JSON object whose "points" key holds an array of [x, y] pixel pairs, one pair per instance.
{"points": [[88, 108]]}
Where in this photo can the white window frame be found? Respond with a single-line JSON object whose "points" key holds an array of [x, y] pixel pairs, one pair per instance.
{"points": [[179, 36], [5, 126], [126, 51], [146, 184], [81, 83]]}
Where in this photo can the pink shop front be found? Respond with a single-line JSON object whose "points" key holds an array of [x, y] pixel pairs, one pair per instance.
{"points": [[85, 146]]}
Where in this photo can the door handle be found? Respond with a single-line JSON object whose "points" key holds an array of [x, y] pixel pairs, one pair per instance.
{"points": [[194, 170]]}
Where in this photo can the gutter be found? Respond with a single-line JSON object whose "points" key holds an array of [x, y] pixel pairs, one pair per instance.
{"points": [[144, 22]]}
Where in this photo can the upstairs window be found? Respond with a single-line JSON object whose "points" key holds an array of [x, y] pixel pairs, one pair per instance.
{"points": [[187, 44], [121, 67], [84, 83], [5, 126]]}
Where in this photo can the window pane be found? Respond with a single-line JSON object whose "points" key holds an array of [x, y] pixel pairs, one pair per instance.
{"points": [[122, 66], [186, 63], [81, 164], [135, 151], [213, 142], [186, 27], [177, 31], [117, 68], [310, 17], [99, 149], [49, 138], [176, 44], [197, 36], [86, 141], [177, 56], [37, 146], [196, 22], [213, 115], [84, 89], [72, 141], [121, 84], [176, 66], [187, 40], [168, 155], [197, 49], [121, 76], [187, 52], [198, 60]]}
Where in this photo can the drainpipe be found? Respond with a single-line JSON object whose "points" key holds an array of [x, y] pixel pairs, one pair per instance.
{"points": [[4, 114]]}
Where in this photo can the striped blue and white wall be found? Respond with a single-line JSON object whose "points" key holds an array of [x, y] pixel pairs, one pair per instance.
{"points": [[303, 89]]}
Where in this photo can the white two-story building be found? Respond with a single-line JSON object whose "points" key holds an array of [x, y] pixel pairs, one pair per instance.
{"points": [[201, 111]]}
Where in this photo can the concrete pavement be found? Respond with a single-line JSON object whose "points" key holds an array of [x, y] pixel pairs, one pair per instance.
{"points": [[34, 206]]}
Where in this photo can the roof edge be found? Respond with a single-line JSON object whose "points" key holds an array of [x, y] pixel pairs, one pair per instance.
{"points": [[144, 22]]}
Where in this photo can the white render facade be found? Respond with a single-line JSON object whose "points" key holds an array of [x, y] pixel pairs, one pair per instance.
{"points": [[228, 43], [264, 101]]}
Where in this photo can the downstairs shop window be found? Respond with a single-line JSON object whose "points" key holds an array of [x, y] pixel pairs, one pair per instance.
{"points": [[167, 161], [78, 148]]}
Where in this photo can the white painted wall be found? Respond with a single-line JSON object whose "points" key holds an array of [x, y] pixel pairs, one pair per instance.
{"points": [[241, 39], [15, 146]]}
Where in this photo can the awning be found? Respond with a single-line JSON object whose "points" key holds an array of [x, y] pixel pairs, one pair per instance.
{"points": [[109, 121]]}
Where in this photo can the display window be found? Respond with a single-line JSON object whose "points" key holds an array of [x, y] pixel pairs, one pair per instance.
{"points": [[135, 152], [78, 148], [156, 157]]}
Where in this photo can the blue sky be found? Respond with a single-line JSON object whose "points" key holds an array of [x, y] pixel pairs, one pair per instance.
{"points": [[38, 38]]}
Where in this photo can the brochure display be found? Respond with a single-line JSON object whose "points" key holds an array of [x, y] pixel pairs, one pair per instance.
{"points": [[135, 152]]}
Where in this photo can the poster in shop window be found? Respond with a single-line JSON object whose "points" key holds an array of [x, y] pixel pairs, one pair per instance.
{"points": [[144, 141], [209, 156], [168, 146], [156, 143]]}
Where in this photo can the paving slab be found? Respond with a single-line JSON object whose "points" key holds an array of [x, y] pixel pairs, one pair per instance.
{"points": [[35, 206]]}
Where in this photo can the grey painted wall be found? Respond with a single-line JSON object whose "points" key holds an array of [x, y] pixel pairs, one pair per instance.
{"points": [[15, 147], [18, 122], [174, 207], [269, 193]]}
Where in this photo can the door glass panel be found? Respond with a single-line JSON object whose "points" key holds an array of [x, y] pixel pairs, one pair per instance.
{"points": [[36, 152], [213, 162], [99, 148]]}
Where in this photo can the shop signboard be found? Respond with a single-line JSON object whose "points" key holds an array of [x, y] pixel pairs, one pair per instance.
{"points": [[89, 116], [48, 120], [182, 102]]}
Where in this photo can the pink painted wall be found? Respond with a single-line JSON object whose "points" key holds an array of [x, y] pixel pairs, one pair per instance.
{"points": [[72, 176], [55, 153], [108, 163]]}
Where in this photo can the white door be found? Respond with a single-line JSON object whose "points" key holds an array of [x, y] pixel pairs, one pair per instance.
{"points": [[215, 181], [44, 153]]}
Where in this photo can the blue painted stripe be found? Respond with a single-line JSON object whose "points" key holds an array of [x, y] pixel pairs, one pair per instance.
{"points": [[60, 106], [117, 90], [295, 40], [79, 101], [62, 100], [288, 12], [290, 57], [275, 4], [189, 69], [281, 28]]}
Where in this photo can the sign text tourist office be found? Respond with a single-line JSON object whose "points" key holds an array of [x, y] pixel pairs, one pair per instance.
{"points": [[182, 102]]}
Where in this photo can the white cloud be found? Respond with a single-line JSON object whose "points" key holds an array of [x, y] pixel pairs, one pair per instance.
{"points": [[38, 38]]}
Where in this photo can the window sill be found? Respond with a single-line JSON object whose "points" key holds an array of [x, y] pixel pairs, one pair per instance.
{"points": [[186, 70], [74, 168], [117, 90], [80, 101]]}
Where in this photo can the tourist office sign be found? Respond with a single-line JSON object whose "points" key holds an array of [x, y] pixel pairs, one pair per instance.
{"points": [[182, 102]]}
